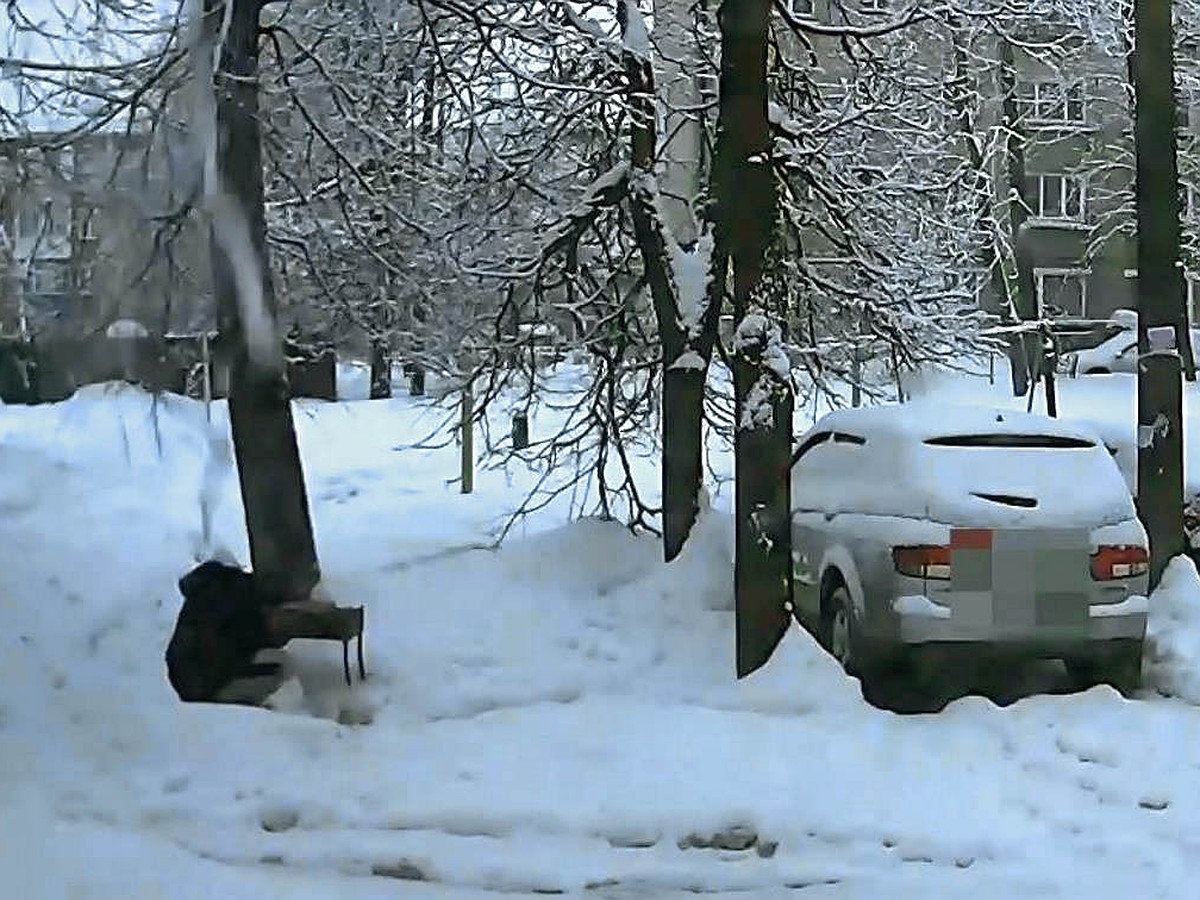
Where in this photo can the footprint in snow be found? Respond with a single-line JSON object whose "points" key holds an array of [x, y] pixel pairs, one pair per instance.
{"points": [[277, 819]]}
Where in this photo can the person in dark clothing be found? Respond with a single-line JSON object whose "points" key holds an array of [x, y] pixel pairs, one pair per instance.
{"points": [[221, 629]]}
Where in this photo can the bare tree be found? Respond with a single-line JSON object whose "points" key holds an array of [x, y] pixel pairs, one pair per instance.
{"points": [[1160, 287], [282, 547], [745, 193]]}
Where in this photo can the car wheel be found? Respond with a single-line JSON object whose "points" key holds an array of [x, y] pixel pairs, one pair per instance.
{"points": [[885, 679], [840, 631], [1120, 667]]}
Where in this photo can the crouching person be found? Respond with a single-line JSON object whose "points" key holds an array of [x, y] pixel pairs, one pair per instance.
{"points": [[222, 649]]}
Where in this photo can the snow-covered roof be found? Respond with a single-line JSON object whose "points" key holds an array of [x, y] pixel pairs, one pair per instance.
{"points": [[127, 328], [538, 330], [1126, 318], [921, 420]]}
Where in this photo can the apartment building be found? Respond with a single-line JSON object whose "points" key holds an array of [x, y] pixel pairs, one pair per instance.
{"points": [[91, 232], [1073, 111]]}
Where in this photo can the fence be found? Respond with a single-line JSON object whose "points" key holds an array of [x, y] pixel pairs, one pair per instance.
{"points": [[46, 370]]}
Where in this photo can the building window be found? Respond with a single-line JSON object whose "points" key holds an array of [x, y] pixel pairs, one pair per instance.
{"points": [[1052, 103], [1061, 292], [800, 9], [87, 223], [1183, 109], [29, 218], [1191, 287], [872, 6], [1058, 197], [46, 277], [36, 212]]}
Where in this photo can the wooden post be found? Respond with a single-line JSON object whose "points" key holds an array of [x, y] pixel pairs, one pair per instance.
{"points": [[416, 379], [1049, 361], [206, 368], [520, 430], [856, 365], [381, 370], [468, 439]]}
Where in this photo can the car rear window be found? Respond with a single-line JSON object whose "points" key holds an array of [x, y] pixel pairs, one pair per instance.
{"points": [[1024, 441]]}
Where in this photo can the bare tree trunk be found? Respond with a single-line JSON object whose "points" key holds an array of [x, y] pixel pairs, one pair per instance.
{"points": [[990, 252], [673, 20], [282, 550], [381, 370], [683, 433], [1160, 285], [747, 208], [1183, 325], [683, 385], [1026, 351]]}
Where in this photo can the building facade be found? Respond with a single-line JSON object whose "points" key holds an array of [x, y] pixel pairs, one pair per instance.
{"points": [[95, 229], [1073, 104]]}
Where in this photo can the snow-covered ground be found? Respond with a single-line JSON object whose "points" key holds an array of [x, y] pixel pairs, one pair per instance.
{"points": [[559, 715]]}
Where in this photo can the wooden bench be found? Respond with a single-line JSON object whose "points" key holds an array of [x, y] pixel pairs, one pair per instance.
{"points": [[321, 621]]}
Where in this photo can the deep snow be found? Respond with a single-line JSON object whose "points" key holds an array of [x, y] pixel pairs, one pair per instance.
{"points": [[556, 715]]}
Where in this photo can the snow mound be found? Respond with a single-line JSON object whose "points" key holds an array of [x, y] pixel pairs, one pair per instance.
{"points": [[1173, 633], [556, 715]]}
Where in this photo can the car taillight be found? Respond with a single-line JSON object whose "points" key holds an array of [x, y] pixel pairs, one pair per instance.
{"points": [[1119, 562], [922, 562]]}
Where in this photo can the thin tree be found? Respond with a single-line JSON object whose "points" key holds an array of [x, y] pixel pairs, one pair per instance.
{"points": [[747, 208], [282, 549], [686, 310]]}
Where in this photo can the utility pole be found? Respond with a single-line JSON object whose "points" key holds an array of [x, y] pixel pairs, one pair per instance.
{"points": [[1160, 286], [282, 549]]}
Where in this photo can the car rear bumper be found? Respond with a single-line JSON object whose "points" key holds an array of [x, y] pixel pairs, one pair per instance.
{"points": [[921, 621]]}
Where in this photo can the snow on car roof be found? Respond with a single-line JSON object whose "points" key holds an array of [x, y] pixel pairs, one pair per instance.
{"points": [[897, 474], [922, 420]]}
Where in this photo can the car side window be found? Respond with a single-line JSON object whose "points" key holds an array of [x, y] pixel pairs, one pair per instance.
{"points": [[841, 437], [815, 441]]}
